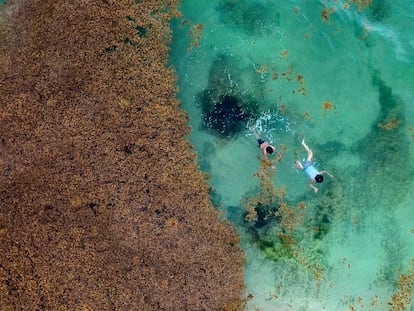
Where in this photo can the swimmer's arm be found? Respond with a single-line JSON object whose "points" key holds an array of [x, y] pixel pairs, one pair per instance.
{"points": [[313, 187], [256, 135], [326, 172]]}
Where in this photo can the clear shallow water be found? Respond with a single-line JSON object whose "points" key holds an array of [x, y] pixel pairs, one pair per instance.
{"points": [[337, 82]]}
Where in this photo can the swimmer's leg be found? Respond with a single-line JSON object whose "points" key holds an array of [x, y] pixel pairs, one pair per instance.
{"points": [[298, 165], [310, 153]]}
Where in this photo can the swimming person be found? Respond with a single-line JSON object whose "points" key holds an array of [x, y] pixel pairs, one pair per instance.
{"points": [[264, 145], [310, 170]]}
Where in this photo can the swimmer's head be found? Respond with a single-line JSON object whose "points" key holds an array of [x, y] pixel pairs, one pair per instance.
{"points": [[269, 150], [319, 178]]}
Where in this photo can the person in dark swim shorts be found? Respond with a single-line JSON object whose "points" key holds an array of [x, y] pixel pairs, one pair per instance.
{"points": [[310, 170], [267, 148]]}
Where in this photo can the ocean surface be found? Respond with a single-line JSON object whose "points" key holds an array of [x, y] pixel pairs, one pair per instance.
{"points": [[339, 75]]}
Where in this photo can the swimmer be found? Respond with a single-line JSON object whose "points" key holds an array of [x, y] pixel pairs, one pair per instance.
{"points": [[267, 148], [310, 170]]}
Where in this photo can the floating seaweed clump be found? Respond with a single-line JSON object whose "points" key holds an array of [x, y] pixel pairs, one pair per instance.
{"points": [[196, 33], [362, 4], [405, 286], [389, 125], [327, 105], [325, 15]]}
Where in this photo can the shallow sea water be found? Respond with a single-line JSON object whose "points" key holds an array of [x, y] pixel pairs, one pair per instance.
{"points": [[340, 76]]}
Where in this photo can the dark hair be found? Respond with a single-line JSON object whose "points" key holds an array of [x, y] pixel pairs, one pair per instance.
{"points": [[319, 178], [269, 150]]}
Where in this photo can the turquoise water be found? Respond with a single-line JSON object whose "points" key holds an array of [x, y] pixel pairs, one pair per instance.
{"points": [[343, 82]]}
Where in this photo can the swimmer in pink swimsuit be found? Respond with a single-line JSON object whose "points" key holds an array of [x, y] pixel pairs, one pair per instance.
{"points": [[267, 148], [310, 170]]}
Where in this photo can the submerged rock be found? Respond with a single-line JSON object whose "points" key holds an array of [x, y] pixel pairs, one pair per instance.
{"points": [[385, 152], [226, 117], [252, 17], [225, 107]]}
